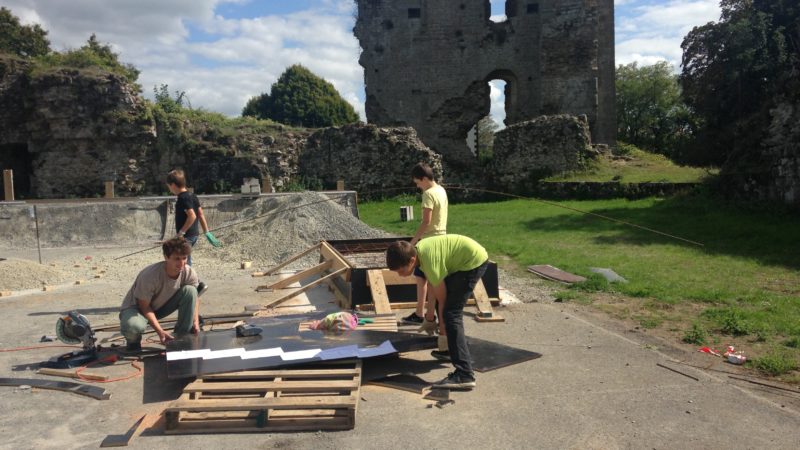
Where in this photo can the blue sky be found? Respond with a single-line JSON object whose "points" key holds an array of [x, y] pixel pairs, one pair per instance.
{"points": [[222, 52]]}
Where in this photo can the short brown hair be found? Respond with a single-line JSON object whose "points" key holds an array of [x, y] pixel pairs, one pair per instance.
{"points": [[421, 171], [399, 254], [177, 245], [177, 178]]}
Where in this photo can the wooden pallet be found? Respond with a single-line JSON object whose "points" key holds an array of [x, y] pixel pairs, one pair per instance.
{"points": [[383, 322], [303, 399]]}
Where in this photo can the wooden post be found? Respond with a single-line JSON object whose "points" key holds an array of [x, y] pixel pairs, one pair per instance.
{"points": [[8, 184], [109, 189], [340, 185]]}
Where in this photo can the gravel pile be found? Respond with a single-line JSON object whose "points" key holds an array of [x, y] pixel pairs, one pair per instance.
{"points": [[19, 274], [287, 227]]}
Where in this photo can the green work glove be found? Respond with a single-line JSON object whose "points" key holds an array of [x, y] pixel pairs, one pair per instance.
{"points": [[428, 326], [213, 240]]}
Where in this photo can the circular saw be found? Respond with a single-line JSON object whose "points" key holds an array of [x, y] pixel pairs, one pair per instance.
{"points": [[74, 328]]}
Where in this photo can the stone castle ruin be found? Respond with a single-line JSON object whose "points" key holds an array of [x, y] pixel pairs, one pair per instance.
{"points": [[427, 64]]}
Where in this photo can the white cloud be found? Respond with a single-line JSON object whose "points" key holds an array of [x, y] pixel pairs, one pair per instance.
{"points": [[648, 33], [234, 59]]}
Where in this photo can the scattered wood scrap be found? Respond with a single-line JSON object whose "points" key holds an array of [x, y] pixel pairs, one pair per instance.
{"points": [[66, 386], [551, 273]]}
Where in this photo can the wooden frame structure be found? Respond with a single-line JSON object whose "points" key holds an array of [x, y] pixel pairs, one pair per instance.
{"points": [[332, 265], [335, 270]]}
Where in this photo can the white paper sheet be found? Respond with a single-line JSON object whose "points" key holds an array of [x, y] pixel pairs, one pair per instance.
{"points": [[301, 354], [262, 353], [187, 354], [216, 354]]}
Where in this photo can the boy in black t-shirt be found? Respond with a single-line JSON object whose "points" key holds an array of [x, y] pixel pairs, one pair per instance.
{"points": [[188, 212]]}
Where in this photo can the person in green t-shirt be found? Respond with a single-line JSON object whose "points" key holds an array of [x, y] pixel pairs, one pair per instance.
{"points": [[452, 264], [434, 223]]}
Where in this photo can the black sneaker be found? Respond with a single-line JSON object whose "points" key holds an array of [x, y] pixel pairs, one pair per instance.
{"points": [[201, 287], [413, 319], [441, 355], [456, 380]]}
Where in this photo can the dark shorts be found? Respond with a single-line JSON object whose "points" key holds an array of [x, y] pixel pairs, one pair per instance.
{"points": [[419, 273]]}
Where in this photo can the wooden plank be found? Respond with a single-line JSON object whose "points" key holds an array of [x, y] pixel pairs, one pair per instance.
{"points": [[482, 300], [254, 404], [391, 278], [109, 189], [412, 305], [283, 373], [303, 289], [71, 373], [263, 386], [289, 261], [8, 184], [380, 298], [328, 253], [301, 275]]}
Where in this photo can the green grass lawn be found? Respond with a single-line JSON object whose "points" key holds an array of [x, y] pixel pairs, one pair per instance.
{"points": [[742, 286], [638, 166]]}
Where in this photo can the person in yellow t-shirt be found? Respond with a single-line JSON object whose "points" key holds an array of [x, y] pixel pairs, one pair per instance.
{"points": [[452, 264], [434, 223]]}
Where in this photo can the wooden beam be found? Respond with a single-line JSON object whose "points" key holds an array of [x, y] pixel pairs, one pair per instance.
{"points": [[109, 189], [482, 300], [380, 298], [329, 253], [412, 305], [391, 278], [299, 291], [72, 373], [8, 184], [301, 275], [288, 261]]}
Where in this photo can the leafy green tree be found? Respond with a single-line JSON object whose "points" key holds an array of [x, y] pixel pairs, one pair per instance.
{"points": [[22, 40], [650, 111], [736, 69], [300, 98], [485, 130]]}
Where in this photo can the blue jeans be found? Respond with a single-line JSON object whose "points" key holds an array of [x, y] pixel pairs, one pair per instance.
{"points": [[459, 288], [191, 240]]}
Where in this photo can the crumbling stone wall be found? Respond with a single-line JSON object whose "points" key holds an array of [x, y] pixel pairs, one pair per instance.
{"points": [[427, 65], [526, 152], [771, 172], [782, 149], [65, 131], [368, 158]]}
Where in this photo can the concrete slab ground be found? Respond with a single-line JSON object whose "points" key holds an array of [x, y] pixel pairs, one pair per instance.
{"points": [[596, 387]]}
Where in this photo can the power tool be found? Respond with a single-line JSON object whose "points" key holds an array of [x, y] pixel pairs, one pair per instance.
{"points": [[74, 328]]}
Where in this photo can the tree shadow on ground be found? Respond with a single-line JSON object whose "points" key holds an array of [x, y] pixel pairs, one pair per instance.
{"points": [[767, 237]]}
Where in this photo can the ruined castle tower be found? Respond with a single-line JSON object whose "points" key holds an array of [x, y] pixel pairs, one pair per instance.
{"points": [[427, 64]]}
